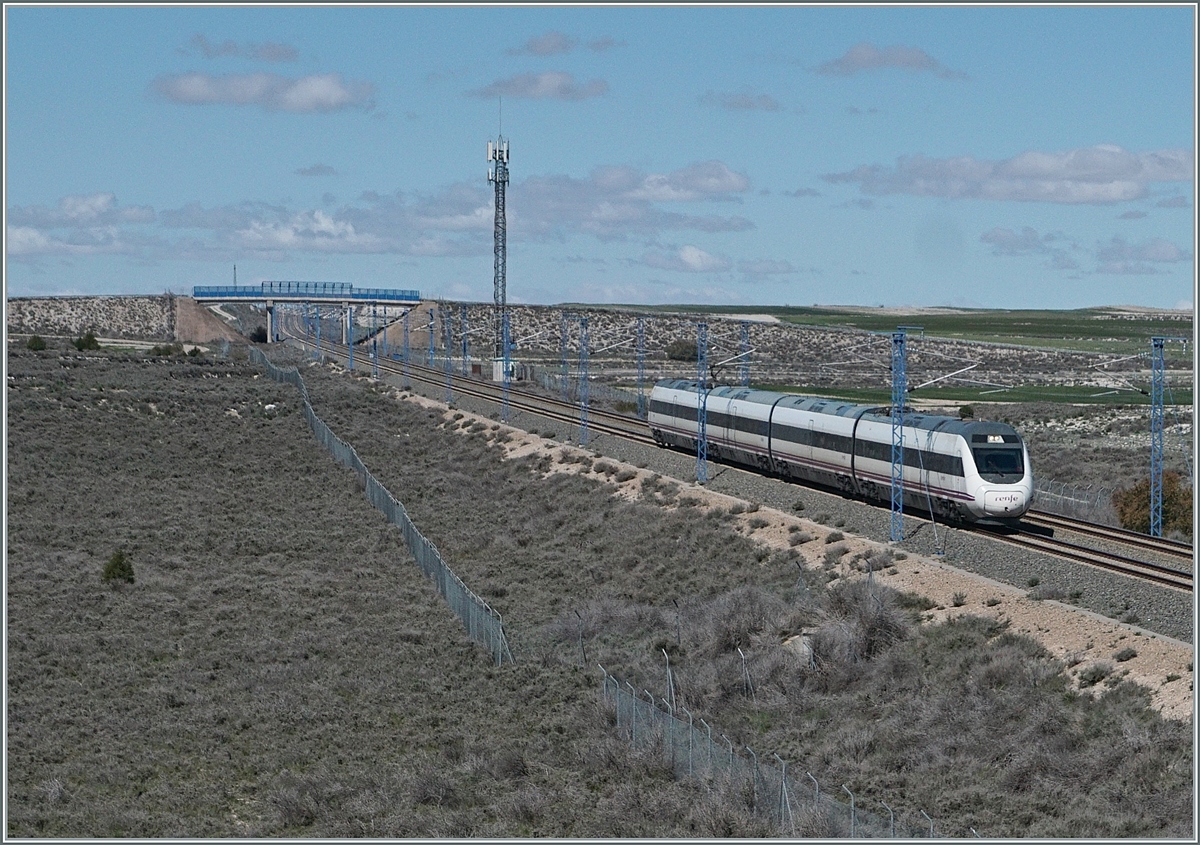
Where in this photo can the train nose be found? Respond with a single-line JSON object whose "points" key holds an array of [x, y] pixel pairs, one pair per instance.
{"points": [[1004, 503]]}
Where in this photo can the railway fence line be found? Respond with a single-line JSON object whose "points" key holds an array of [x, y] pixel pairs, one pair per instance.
{"points": [[483, 624], [772, 794]]}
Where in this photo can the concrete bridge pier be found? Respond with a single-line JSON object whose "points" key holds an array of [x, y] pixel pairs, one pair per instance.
{"points": [[347, 325], [270, 321]]}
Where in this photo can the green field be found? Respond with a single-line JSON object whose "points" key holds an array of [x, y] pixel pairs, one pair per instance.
{"points": [[1088, 329]]}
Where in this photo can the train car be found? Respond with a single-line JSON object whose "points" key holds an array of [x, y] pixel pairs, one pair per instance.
{"points": [[956, 469]]}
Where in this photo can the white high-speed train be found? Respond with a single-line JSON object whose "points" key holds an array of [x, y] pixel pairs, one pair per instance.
{"points": [[960, 469]]}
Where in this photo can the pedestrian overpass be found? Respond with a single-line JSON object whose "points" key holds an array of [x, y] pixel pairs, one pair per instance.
{"points": [[342, 294]]}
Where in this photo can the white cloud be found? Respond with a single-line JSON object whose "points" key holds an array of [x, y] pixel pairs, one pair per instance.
{"points": [[80, 211], [268, 52], [551, 85], [271, 92], [744, 101], [614, 203], [866, 56], [550, 44], [317, 170], [1007, 242], [1156, 249], [687, 259], [1099, 175]]}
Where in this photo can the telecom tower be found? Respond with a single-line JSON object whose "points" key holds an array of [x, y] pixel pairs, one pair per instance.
{"points": [[498, 175]]}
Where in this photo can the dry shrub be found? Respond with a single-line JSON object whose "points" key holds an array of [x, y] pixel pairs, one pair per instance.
{"points": [[1133, 505]]}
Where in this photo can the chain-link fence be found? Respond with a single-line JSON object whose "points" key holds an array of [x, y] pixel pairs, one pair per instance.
{"points": [[484, 625], [597, 390], [796, 805], [1090, 503]]}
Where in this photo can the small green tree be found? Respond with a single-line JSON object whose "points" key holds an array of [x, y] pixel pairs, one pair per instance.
{"points": [[1133, 505], [88, 341], [682, 350], [966, 412], [36, 343], [118, 568]]}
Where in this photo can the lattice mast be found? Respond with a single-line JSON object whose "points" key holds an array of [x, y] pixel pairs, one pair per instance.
{"points": [[899, 390], [498, 177], [641, 367], [583, 381], [702, 403], [1158, 380]]}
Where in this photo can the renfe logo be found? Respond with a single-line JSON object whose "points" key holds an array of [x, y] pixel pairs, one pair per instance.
{"points": [[1005, 498], [997, 502]]}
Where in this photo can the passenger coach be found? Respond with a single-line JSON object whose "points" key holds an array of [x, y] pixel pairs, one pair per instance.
{"points": [[956, 469]]}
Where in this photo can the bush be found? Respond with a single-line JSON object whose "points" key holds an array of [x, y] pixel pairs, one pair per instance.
{"points": [[259, 335], [118, 568], [1133, 505], [1125, 654], [36, 343], [966, 412], [1095, 673], [833, 537], [682, 350], [88, 341], [958, 599]]}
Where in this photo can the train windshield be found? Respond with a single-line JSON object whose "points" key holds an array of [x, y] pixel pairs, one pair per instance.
{"points": [[999, 464]]}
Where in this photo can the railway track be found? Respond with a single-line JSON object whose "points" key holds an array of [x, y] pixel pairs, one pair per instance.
{"points": [[1143, 570], [1052, 521], [1031, 536]]}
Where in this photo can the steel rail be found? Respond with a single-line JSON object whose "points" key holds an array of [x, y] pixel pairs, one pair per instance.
{"points": [[1139, 569], [619, 425], [1173, 548]]}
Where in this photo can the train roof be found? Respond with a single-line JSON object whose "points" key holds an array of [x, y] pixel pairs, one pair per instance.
{"points": [[842, 408]]}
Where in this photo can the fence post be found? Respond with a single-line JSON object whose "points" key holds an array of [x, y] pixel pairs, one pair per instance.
{"points": [[754, 777], [926, 815], [891, 821], [709, 727], [784, 802], [816, 789], [851, 794], [689, 712]]}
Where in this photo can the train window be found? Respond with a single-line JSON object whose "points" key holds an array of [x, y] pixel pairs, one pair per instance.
{"points": [[999, 464]]}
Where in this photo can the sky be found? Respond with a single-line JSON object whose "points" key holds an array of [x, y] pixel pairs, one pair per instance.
{"points": [[990, 156]]}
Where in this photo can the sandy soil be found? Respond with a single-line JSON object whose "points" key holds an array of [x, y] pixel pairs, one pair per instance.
{"points": [[1078, 637], [197, 324]]}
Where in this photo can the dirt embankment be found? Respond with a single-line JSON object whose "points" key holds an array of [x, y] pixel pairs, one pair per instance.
{"points": [[174, 318], [195, 323]]}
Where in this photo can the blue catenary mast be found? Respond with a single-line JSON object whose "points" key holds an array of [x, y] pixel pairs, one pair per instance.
{"points": [[374, 342], [462, 330], [702, 403], [564, 335], [448, 328], [641, 367], [899, 389], [583, 381], [1158, 379], [317, 354], [407, 353], [431, 336], [745, 364]]}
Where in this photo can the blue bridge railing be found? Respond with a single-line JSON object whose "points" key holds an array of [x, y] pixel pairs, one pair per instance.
{"points": [[316, 290]]}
